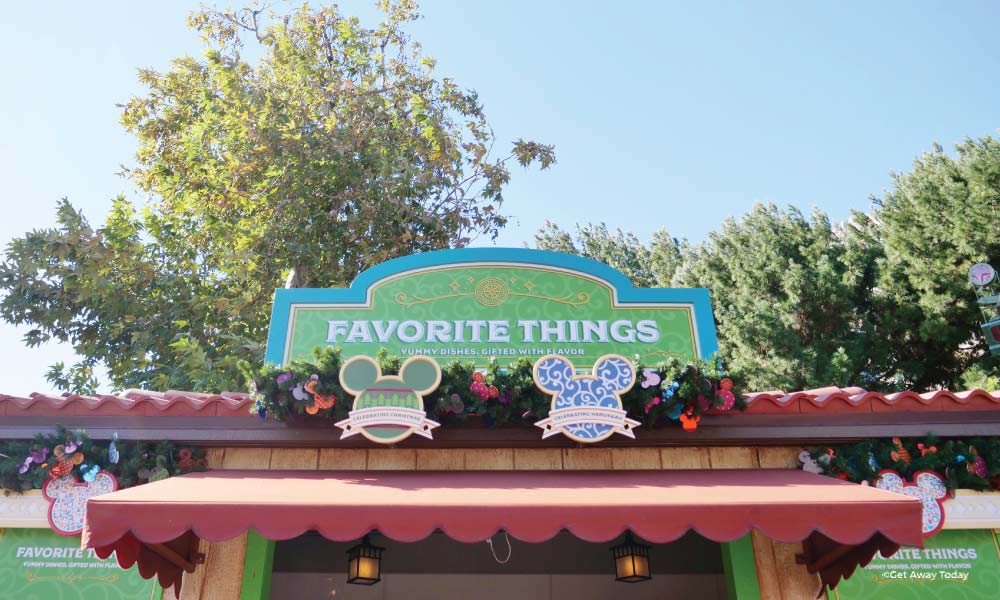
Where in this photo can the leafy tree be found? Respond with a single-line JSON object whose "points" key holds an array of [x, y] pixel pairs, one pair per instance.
{"points": [[785, 298], [621, 250], [784, 290], [336, 149], [938, 220]]}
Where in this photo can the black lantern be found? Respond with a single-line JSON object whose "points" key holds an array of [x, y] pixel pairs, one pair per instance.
{"points": [[364, 563], [631, 560]]}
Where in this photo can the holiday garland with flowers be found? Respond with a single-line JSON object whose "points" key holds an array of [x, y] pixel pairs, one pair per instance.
{"points": [[28, 464], [970, 463], [673, 391]]}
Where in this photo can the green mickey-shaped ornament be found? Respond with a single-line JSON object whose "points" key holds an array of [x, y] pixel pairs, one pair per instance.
{"points": [[377, 395]]}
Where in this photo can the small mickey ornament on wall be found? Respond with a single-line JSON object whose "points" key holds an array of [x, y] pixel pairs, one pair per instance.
{"points": [[927, 486], [68, 500]]}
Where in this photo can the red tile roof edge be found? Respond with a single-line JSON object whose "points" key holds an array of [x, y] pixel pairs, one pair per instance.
{"points": [[172, 402], [182, 403], [853, 399]]}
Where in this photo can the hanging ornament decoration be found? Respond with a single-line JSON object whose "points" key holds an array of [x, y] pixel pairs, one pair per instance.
{"points": [[113, 455], [299, 391], [479, 387], [809, 464], [506, 397], [320, 401], [37, 456], [89, 473], [977, 466], [924, 450], [68, 500], [689, 422], [64, 462], [388, 408], [650, 379], [817, 465], [900, 454], [928, 487], [585, 408], [160, 471]]}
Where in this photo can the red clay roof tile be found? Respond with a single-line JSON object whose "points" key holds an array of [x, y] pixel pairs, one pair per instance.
{"points": [[854, 399], [181, 403], [130, 402]]}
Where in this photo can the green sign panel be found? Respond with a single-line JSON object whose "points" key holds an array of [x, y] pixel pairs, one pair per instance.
{"points": [[39, 564], [955, 565], [478, 304]]}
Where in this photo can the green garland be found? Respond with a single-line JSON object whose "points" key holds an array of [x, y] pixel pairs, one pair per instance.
{"points": [[507, 396], [138, 462], [972, 463]]}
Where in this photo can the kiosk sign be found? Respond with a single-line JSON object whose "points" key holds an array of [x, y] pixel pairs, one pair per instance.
{"points": [[39, 563], [955, 564], [478, 304]]}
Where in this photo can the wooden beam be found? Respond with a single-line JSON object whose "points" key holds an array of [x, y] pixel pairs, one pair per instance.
{"points": [[170, 555], [714, 430]]}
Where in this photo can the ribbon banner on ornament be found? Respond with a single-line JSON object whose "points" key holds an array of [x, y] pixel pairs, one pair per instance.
{"points": [[403, 418], [586, 408], [577, 419]]}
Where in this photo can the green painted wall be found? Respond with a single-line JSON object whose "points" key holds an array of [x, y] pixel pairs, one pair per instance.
{"points": [[257, 568], [740, 569]]}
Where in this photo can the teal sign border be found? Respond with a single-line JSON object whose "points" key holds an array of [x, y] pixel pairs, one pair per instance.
{"points": [[625, 293]]}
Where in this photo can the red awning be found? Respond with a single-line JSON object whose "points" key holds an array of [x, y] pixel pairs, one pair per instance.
{"points": [[158, 524]]}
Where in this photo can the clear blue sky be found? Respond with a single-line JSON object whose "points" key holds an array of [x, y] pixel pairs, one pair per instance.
{"points": [[671, 115]]}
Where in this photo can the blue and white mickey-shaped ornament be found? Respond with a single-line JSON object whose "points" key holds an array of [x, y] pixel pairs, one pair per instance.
{"points": [[586, 408]]}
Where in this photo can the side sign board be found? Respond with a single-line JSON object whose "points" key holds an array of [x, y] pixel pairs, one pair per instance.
{"points": [[956, 564], [39, 563], [476, 304]]}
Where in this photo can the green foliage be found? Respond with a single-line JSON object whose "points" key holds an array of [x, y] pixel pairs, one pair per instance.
{"points": [[938, 220], [953, 459], [338, 148], [785, 299], [784, 289], [138, 462], [620, 250], [512, 397]]}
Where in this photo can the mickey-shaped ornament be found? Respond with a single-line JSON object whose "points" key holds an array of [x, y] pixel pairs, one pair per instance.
{"points": [[388, 408], [586, 408]]}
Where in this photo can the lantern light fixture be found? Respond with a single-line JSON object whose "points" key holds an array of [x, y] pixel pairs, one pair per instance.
{"points": [[631, 560], [364, 563]]}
